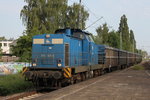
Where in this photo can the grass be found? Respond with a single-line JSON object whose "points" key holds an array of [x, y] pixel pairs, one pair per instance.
{"points": [[15, 83], [138, 67]]}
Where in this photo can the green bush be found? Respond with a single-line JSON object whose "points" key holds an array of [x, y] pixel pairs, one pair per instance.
{"points": [[13, 84], [138, 67]]}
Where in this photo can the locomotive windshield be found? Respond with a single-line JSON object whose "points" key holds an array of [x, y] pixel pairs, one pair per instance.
{"points": [[89, 37]]}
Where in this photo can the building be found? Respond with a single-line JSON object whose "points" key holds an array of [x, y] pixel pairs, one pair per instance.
{"points": [[6, 51], [5, 46]]}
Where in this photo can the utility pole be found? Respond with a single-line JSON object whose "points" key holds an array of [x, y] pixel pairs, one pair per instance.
{"points": [[79, 16], [120, 39], [133, 45]]}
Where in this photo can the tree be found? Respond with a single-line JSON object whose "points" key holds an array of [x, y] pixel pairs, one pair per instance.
{"points": [[2, 38], [72, 16], [102, 34], [132, 41], [0, 50], [105, 37], [23, 48], [124, 32], [45, 16], [113, 39]]}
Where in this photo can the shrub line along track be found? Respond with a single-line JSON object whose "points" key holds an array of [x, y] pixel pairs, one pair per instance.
{"points": [[31, 95]]}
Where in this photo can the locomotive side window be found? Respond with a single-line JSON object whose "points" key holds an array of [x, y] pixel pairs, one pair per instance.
{"points": [[91, 39]]}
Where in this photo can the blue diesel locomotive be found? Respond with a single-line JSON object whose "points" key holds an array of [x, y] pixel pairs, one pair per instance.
{"points": [[70, 55]]}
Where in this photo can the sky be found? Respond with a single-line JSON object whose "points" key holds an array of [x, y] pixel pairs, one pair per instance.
{"points": [[137, 12]]}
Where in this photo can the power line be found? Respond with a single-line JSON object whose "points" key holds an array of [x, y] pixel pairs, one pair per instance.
{"points": [[92, 14], [94, 22], [90, 10]]}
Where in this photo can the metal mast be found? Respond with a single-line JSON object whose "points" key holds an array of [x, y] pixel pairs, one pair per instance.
{"points": [[133, 45], [79, 16], [121, 40]]}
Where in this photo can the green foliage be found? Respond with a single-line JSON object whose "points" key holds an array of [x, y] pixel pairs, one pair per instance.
{"points": [[124, 31], [138, 67], [2, 38], [113, 38], [144, 54], [45, 16], [105, 37], [128, 40], [72, 16], [11, 84], [23, 48], [132, 42], [102, 34], [0, 50]]}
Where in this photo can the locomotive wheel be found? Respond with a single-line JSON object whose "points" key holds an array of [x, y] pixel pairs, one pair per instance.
{"points": [[83, 76], [72, 80], [99, 72], [86, 75]]}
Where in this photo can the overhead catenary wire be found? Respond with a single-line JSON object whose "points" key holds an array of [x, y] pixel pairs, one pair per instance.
{"points": [[88, 9], [93, 23]]}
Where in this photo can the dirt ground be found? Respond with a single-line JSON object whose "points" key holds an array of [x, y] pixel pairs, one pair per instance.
{"points": [[127, 84]]}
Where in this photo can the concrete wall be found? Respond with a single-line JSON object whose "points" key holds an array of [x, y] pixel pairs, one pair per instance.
{"points": [[8, 58]]}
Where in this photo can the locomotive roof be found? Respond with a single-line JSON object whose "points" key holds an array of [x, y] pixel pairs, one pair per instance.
{"points": [[72, 30]]}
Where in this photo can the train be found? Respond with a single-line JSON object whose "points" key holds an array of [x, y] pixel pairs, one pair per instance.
{"points": [[70, 55]]}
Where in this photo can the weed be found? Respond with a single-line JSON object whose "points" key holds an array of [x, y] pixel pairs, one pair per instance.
{"points": [[138, 67], [15, 83]]}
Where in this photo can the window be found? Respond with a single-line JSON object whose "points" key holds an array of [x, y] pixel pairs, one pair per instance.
{"points": [[0, 44], [5, 44], [78, 35], [89, 38]]}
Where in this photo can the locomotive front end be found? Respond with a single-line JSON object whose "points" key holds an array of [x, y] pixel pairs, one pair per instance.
{"points": [[49, 60]]}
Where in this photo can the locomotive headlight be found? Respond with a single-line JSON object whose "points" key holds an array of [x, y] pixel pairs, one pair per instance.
{"points": [[34, 64], [59, 65], [59, 61]]}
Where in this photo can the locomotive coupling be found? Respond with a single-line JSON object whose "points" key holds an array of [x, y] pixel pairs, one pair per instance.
{"points": [[57, 75]]}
